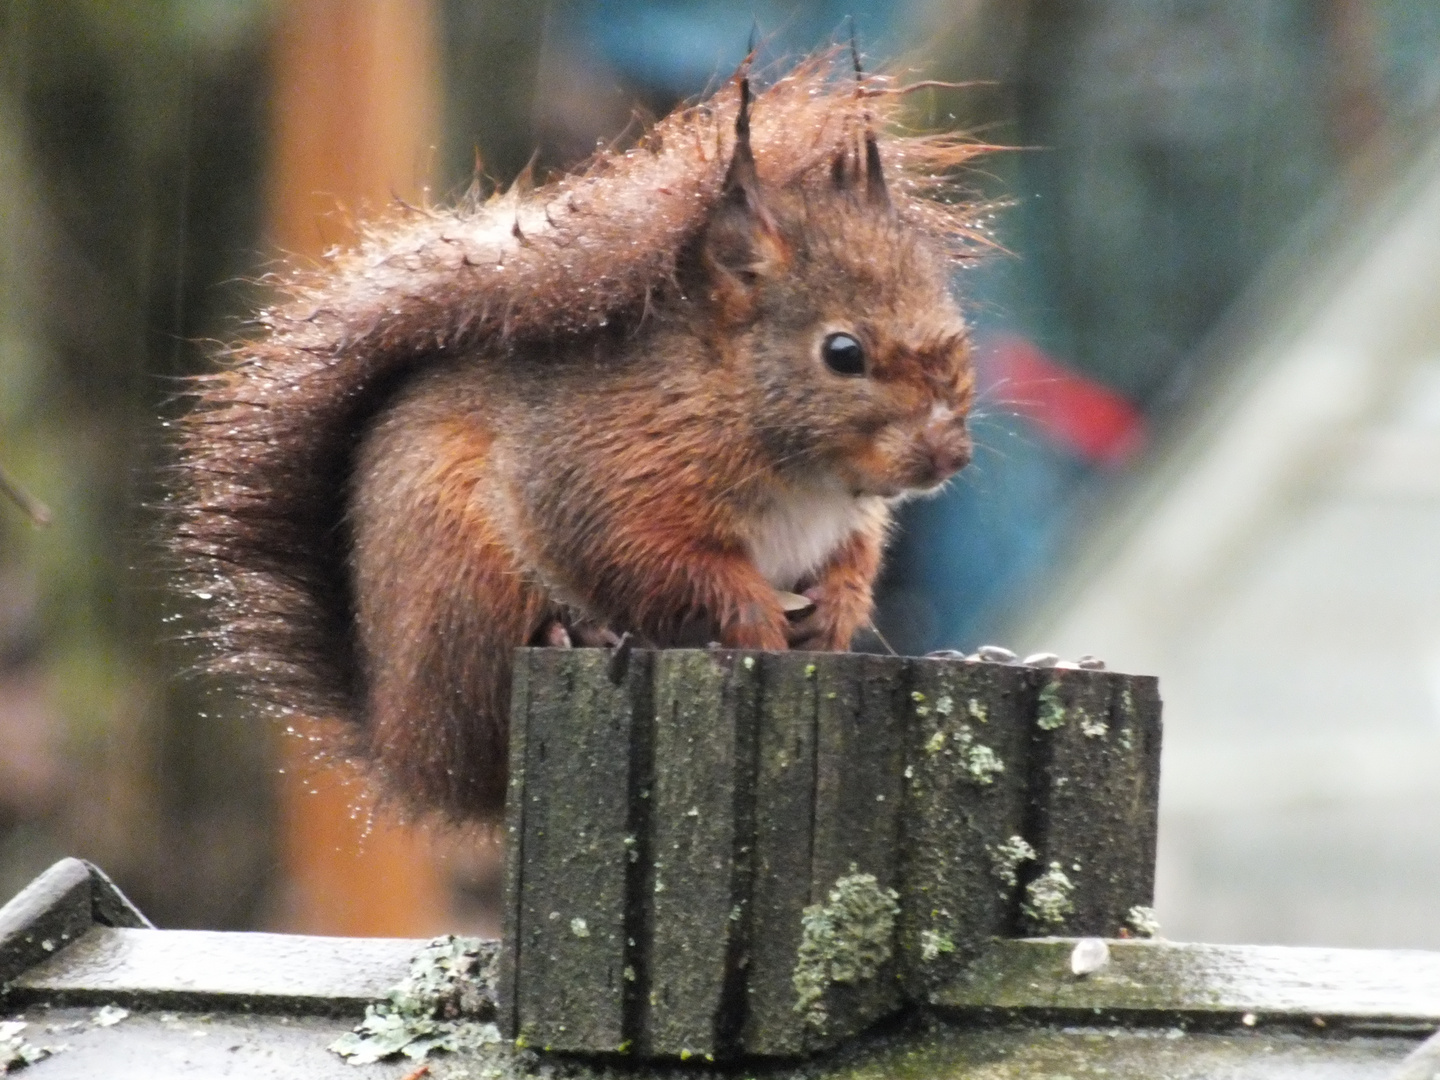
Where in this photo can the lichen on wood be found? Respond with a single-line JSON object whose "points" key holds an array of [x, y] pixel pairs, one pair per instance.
{"points": [[1048, 896], [1006, 857], [845, 940], [442, 1004], [1051, 713]]}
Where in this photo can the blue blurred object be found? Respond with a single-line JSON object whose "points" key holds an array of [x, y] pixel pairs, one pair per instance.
{"points": [[682, 46], [963, 557]]}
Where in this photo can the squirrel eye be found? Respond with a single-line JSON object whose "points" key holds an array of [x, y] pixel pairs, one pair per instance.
{"points": [[843, 355]]}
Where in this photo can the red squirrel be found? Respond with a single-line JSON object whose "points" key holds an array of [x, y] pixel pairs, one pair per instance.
{"points": [[649, 396]]}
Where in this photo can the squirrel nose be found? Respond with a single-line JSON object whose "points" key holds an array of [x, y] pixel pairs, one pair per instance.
{"points": [[948, 461], [947, 446]]}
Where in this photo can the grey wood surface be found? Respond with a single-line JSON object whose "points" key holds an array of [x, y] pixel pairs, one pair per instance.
{"points": [[961, 888], [1096, 790], [784, 830], [1176, 981], [57, 908], [199, 1045], [224, 1004], [860, 718], [1423, 1063], [704, 732], [172, 968], [193, 1045], [571, 898]]}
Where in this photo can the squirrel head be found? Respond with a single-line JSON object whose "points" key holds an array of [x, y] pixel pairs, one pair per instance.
{"points": [[835, 311]]}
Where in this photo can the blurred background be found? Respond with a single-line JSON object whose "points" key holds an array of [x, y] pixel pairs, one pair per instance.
{"points": [[1209, 441]]}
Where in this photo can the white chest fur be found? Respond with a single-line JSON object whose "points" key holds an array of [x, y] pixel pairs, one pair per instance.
{"points": [[793, 538]]}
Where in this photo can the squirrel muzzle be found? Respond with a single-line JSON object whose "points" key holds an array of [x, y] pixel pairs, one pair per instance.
{"points": [[942, 448]]}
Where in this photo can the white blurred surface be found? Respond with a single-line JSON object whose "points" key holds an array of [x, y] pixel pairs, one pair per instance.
{"points": [[1280, 572]]}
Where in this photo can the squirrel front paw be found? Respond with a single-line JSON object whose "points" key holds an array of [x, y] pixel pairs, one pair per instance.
{"points": [[566, 631], [835, 613]]}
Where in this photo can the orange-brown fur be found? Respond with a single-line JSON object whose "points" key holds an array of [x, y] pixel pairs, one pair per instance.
{"points": [[601, 400]]}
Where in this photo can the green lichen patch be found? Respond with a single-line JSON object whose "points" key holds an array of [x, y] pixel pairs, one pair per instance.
{"points": [[978, 710], [845, 940], [16, 1051], [1048, 897], [944, 705], [979, 762], [1143, 920], [1005, 859], [982, 763], [442, 1004], [934, 944], [1051, 712]]}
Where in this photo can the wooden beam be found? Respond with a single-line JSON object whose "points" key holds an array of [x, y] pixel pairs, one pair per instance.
{"points": [[1170, 982]]}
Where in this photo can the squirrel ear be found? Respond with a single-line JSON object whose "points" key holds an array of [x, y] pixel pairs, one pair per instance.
{"points": [[876, 194], [742, 238]]}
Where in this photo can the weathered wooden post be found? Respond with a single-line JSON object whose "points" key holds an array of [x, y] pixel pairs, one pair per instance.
{"points": [[715, 853]]}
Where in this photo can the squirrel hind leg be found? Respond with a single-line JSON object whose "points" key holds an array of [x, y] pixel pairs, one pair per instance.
{"points": [[438, 707], [441, 606]]}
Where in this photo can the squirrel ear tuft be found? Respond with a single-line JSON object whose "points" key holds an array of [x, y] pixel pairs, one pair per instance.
{"points": [[742, 180], [742, 238], [876, 193]]}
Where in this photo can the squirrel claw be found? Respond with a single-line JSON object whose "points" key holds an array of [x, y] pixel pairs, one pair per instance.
{"points": [[592, 636], [555, 636], [620, 658]]}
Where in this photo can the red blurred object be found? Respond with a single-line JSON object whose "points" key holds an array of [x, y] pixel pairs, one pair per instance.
{"points": [[1082, 416]]}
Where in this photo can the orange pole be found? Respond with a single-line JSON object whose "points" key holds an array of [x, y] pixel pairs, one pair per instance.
{"points": [[355, 115]]}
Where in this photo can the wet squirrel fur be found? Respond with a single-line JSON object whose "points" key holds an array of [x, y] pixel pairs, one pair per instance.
{"points": [[625, 399]]}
